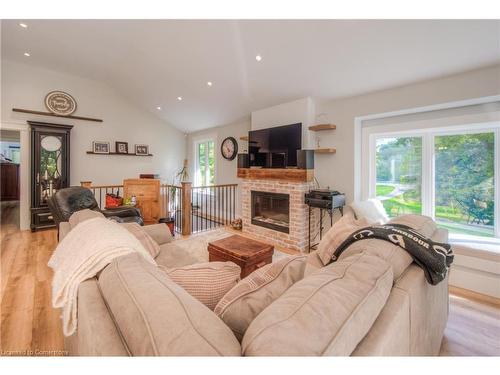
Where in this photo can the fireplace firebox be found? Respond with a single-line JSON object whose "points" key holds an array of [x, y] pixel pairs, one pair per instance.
{"points": [[271, 210]]}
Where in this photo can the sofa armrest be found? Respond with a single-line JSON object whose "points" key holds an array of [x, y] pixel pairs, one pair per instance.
{"points": [[159, 232], [122, 211], [440, 235]]}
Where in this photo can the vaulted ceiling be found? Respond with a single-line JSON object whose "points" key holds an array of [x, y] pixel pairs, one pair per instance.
{"points": [[153, 62]]}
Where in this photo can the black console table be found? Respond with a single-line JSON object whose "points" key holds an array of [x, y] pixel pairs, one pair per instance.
{"points": [[324, 200]]}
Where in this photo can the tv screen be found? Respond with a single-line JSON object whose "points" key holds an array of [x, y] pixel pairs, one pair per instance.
{"points": [[275, 147]]}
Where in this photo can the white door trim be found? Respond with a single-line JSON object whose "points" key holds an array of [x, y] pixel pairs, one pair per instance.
{"points": [[24, 195]]}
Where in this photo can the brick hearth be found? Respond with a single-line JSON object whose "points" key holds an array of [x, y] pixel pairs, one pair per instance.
{"points": [[297, 239]]}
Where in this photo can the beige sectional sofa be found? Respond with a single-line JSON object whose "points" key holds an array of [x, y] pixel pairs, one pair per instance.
{"points": [[361, 305]]}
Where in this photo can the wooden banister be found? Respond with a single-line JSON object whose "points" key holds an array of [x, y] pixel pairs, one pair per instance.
{"points": [[186, 208]]}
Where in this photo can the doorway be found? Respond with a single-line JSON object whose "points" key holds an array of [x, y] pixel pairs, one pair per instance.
{"points": [[10, 179]]}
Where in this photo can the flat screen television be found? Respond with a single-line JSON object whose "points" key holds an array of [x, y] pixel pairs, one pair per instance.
{"points": [[275, 147]]}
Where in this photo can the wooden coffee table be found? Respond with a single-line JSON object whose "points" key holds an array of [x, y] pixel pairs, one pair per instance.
{"points": [[246, 253]]}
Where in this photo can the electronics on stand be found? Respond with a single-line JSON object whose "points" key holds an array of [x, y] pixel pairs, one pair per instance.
{"points": [[324, 199], [243, 161]]}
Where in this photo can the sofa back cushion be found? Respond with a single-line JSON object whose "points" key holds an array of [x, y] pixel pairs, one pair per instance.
{"points": [[157, 317], [326, 313], [399, 258], [257, 291], [337, 234], [144, 238], [82, 215], [207, 282]]}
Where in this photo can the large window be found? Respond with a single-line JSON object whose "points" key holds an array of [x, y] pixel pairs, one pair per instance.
{"points": [[464, 183], [205, 163], [399, 174], [448, 175]]}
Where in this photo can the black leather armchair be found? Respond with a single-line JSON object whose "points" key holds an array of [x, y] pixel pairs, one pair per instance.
{"points": [[69, 200]]}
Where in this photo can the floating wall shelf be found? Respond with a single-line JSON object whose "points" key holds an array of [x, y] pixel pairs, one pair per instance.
{"points": [[55, 115], [244, 138], [115, 153], [320, 127], [325, 151]]}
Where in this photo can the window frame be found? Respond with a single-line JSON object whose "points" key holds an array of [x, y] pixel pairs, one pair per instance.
{"points": [[428, 165], [196, 144]]}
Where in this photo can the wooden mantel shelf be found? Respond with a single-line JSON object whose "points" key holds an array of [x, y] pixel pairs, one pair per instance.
{"points": [[289, 175], [325, 151], [320, 127], [42, 113], [115, 153]]}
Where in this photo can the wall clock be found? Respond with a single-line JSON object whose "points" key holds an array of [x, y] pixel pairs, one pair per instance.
{"points": [[229, 148], [60, 103]]}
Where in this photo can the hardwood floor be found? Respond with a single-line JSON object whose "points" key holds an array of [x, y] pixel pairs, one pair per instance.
{"points": [[30, 326]]}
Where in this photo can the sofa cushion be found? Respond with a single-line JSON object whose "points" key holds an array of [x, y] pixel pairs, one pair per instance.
{"points": [[337, 234], [370, 209], [144, 238], [326, 313], [157, 317], [207, 282], [398, 258], [82, 215], [257, 291], [173, 256], [159, 232]]}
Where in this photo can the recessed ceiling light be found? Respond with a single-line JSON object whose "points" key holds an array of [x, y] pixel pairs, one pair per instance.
{"points": [[258, 57], [179, 98], [23, 25], [27, 54], [158, 108], [209, 83]]}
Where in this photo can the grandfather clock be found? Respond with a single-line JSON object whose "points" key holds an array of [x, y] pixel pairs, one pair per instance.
{"points": [[50, 150]]}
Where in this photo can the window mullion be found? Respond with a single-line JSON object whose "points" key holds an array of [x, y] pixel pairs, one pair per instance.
{"points": [[428, 175], [496, 180], [207, 168]]}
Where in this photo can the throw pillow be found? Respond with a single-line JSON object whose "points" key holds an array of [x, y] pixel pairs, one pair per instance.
{"points": [[372, 210], [254, 293], [337, 234], [144, 238], [207, 282], [82, 215]]}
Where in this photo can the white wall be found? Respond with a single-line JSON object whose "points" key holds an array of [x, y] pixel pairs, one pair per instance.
{"points": [[25, 86], [225, 170], [301, 110], [337, 170]]}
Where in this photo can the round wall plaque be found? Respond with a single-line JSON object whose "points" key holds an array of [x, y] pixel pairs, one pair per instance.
{"points": [[60, 103]]}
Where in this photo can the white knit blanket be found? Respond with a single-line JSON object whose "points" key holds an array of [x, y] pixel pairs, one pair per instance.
{"points": [[86, 250]]}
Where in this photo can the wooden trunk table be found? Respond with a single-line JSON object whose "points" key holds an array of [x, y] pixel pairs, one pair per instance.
{"points": [[246, 253]]}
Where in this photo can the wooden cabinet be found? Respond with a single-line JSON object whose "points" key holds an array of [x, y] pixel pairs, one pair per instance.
{"points": [[9, 180], [50, 150], [147, 192]]}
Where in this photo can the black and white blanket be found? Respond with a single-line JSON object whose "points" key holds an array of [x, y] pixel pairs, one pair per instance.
{"points": [[433, 257]]}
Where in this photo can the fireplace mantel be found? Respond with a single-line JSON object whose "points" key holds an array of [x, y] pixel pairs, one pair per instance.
{"points": [[289, 175]]}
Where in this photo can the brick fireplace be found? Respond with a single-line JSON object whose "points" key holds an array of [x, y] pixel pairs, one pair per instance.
{"points": [[275, 211]]}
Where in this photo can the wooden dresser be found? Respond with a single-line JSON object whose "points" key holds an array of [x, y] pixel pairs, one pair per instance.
{"points": [[147, 192], [10, 182]]}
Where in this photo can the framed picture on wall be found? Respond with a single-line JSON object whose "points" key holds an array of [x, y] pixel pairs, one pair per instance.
{"points": [[141, 149], [121, 147], [99, 147]]}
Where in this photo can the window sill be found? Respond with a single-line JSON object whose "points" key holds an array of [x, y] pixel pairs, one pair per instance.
{"points": [[474, 244]]}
